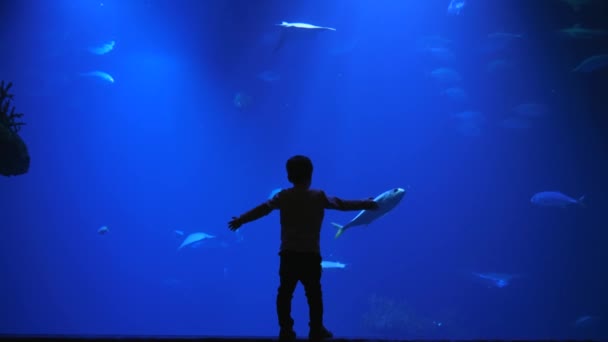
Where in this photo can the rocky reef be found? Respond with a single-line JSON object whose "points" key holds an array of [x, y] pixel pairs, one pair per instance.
{"points": [[14, 156]]}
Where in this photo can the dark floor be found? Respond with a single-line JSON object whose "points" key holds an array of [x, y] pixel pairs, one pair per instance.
{"points": [[177, 339], [213, 339]]}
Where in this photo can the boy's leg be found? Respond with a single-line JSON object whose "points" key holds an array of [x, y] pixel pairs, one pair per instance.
{"points": [[288, 282], [312, 286]]}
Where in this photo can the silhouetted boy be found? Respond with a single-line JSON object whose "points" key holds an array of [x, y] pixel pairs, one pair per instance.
{"points": [[302, 211]]}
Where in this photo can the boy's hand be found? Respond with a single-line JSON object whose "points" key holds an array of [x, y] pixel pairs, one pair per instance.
{"points": [[234, 224]]}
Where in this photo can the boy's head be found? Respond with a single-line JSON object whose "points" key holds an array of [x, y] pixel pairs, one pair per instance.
{"points": [[299, 170]]}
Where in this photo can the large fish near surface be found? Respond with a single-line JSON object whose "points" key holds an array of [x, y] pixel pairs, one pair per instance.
{"points": [[386, 202], [556, 199], [291, 28]]}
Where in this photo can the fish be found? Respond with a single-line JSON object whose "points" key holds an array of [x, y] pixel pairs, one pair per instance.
{"points": [[305, 26], [469, 122], [269, 76], [427, 42], [498, 41], [386, 202], [576, 5], [239, 236], [515, 123], [592, 63], [469, 115], [446, 75], [103, 230], [440, 53], [456, 94], [585, 321], [102, 49], [556, 199], [242, 100], [499, 280], [290, 28], [332, 264], [469, 128], [498, 65], [531, 110], [456, 6], [193, 238], [579, 32], [102, 75], [274, 192]]}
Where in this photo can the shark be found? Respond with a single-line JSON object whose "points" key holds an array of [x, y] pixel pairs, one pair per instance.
{"points": [[290, 28], [386, 202]]}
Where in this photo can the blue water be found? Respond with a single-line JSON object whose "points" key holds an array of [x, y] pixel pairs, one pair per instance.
{"points": [[201, 115]]}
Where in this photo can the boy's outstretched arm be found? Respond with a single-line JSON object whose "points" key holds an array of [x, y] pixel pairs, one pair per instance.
{"points": [[346, 205], [253, 214]]}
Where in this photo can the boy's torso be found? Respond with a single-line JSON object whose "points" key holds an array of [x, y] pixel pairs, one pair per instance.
{"points": [[302, 212]]}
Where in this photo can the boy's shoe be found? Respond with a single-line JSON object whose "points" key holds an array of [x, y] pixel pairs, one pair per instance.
{"points": [[320, 334], [287, 335]]}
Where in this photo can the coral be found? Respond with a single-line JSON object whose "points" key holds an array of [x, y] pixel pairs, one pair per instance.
{"points": [[14, 156], [8, 117]]}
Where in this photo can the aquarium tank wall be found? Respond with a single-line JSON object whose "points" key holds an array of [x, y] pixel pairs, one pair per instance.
{"points": [[133, 131]]}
